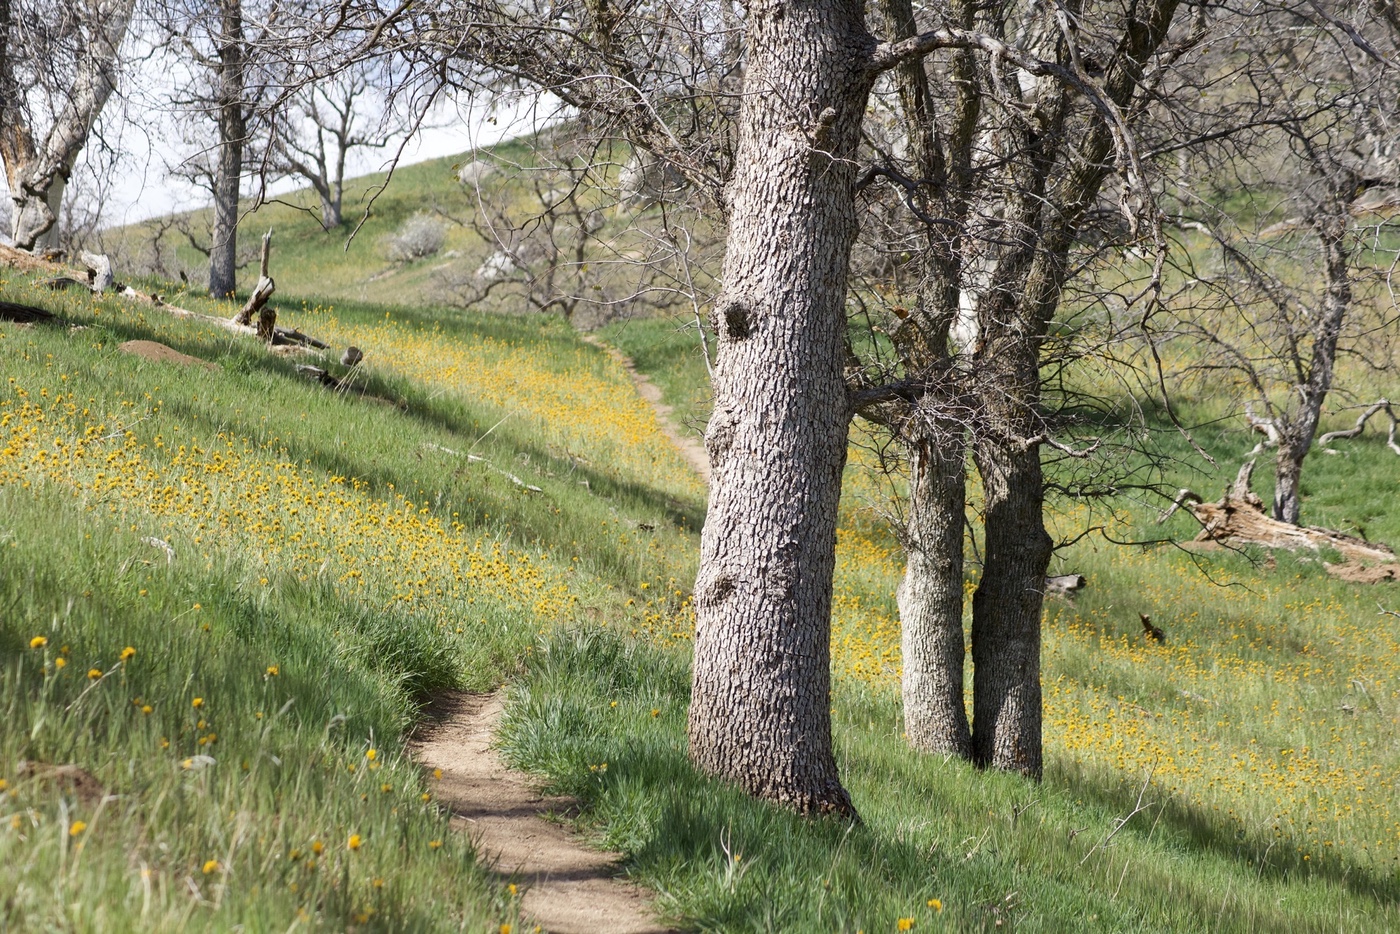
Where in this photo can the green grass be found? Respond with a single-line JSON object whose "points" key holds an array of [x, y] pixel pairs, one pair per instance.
{"points": [[669, 351], [78, 568], [605, 720], [1273, 674]]}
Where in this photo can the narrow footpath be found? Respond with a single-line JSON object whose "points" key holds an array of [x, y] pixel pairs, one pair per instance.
{"points": [[568, 887]]}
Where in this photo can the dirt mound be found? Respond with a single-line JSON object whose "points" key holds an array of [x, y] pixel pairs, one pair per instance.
{"points": [[569, 888], [72, 779], [154, 350], [1365, 574]]}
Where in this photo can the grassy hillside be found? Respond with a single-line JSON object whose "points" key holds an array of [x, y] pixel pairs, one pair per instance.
{"points": [[227, 592], [297, 571]]}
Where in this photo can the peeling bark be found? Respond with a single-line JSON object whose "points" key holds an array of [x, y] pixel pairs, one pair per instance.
{"points": [[38, 171]]}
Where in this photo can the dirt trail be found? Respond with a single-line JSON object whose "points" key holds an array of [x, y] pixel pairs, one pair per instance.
{"points": [[568, 888], [692, 450]]}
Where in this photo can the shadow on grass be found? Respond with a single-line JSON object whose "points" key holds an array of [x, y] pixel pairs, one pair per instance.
{"points": [[603, 719], [1280, 857]]}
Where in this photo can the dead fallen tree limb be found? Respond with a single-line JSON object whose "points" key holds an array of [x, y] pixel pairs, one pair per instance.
{"points": [[280, 336], [478, 459], [1354, 431], [1183, 496], [1239, 518], [1064, 585]]}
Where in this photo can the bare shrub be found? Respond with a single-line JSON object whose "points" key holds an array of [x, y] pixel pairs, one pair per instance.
{"points": [[419, 236]]}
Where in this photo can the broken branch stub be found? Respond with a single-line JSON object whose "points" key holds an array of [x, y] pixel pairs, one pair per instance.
{"points": [[99, 268], [262, 292]]}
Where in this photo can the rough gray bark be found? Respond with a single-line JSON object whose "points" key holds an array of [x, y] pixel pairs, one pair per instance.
{"points": [[930, 595], [1052, 178], [760, 705], [37, 172], [233, 133], [1006, 696], [1297, 432]]}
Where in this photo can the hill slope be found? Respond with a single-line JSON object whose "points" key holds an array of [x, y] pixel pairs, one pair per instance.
{"points": [[309, 567]]}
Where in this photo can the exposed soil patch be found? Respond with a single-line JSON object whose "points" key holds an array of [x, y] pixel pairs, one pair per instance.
{"points": [[1365, 574], [71, 779], [569, 888], [693, 451], [154, 350]]}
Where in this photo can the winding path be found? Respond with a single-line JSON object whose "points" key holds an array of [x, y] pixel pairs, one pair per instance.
{"points": [[569, 888]]}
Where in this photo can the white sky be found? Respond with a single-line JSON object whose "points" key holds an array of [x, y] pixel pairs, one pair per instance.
{"points": [[142, 187]]}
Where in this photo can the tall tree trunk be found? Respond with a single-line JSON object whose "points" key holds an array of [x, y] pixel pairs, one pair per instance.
{"points": [[760, 704], [38, 173], [233, 131], [1006, 697], [931, 594], [1298, 431]]}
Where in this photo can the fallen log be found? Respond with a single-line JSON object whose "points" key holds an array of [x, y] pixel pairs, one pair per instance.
{"points": [[280, 336], [24, 314], [1239, 518]]}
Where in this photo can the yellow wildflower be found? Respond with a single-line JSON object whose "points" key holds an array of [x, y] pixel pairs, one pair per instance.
{"points": [[935, 904], [38, 642], [354, 842], [128, 654], [197, 702], [94, 674], [76, 828], [211, 865]]}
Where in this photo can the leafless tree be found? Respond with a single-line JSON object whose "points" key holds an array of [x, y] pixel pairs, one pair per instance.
{"points": [[58, 67], [1000, 165], [1291, 153], [228, 59], [322, 122], [574, 235]]}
